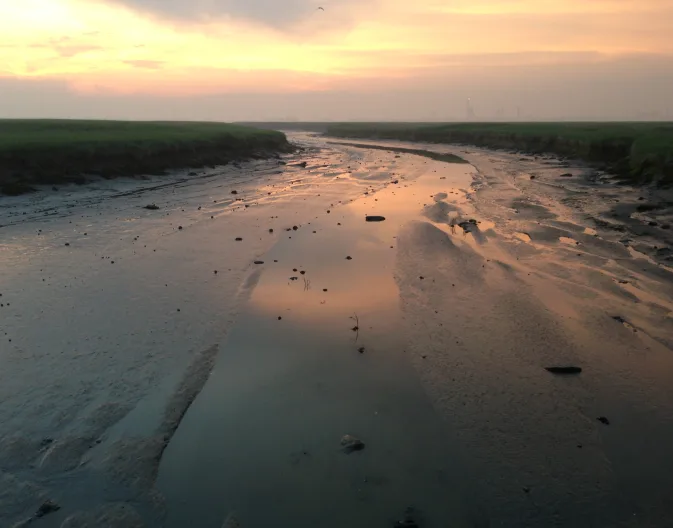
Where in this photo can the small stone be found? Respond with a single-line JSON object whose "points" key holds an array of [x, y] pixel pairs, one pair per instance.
{"points": [[215, 272], [152, 207], [324, 289], [303, 272], [361, 350], [279, 317], [259, 262], [350, 444], [295, 228], [67, 243], [564, 370], [349, 258], [234, 192], [179, 228], [270, 230], [47, 507], [603, 420], [239, 239], [375, 218]]}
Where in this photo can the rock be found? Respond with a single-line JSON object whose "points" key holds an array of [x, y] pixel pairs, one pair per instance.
{"points": [[239, 239], [350, 444], [349, 258], [234, 192], [259, 262], [67, 243], [408, 520], [152, 207], [603, 420], [294, 228], [302, 164], [361, 350], [564, 370], [270, 230], [665, 226], [192, 174], [179, 228], [48, 506], [532, 177], [653, 223], [375, 218], [566, 175]]}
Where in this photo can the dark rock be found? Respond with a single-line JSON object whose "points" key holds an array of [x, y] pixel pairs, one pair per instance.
{"points": [[349, 258], [152, 207], [652, 223], [619, 319], [408, 521], [270, 230], [48, 506], [179, 228], [375, 218], [67, 243], [665, 226], [566, 175], [532, 177], [603, 420], [294, 228], [564, 370], [350, 444], [234, 192], [259, 262], [361, 350], [239, 239], [324, 289]]}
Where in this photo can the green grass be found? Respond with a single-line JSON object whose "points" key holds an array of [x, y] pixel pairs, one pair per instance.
{"points": [[437, 156], [59, 151], [638, 152]]}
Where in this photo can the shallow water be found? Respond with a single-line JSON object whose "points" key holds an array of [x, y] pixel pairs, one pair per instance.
{"points": [[266, 429]]}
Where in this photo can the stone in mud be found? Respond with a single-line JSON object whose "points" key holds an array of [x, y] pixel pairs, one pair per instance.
{"points": [[564, 370], [259, 262], [152, 207], [239, 239], [234, 192], [48, 506], [566, 175], [350, 444], [408, 521], [375, 218], [603, 420], [349, 258]]}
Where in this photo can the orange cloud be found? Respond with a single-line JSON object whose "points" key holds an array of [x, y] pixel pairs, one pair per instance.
{"points": [[102, 45]]}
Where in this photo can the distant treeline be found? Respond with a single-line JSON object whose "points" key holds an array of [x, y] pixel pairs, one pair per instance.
{"points": [[36, 152], [638, 152]]}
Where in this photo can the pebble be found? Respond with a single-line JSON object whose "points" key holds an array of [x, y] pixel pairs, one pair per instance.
{"points": [[351, 443]]}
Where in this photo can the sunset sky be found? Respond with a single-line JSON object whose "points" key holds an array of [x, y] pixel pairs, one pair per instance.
{"points": [[369, 59]]}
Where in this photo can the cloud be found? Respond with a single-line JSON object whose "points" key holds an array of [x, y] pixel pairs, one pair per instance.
{"points": [[274, 13], [146, 64]]}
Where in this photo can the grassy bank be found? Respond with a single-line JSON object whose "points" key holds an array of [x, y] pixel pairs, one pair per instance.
{"points": [[36, 152], [437, 156], [639, 152]]}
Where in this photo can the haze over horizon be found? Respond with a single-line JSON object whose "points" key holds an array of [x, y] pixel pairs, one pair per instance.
{"points": [[356, 60]]}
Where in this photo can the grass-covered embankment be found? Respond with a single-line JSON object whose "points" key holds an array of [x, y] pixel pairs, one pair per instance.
{"points": [[437, 156], [638, 152], [36, 152]]}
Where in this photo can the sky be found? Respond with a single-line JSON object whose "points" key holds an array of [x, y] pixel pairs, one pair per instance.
{"points": [[234, 60]]}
